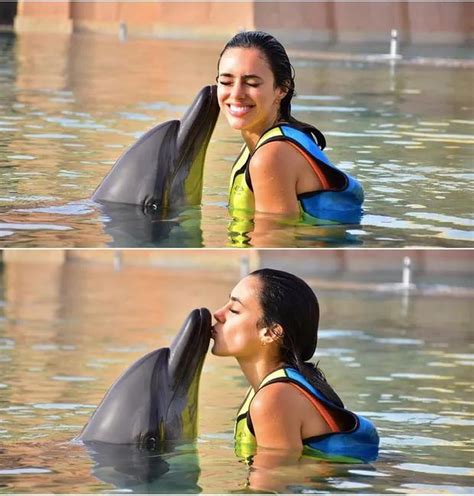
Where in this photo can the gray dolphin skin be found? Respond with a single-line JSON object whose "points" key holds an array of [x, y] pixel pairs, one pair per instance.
{"points": [[164, 168], [156, 399]]}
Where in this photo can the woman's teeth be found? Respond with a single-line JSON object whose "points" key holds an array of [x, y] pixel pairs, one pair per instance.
{"points": [[239, 110]]}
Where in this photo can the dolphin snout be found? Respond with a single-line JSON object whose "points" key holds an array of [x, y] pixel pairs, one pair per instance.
{"points": [[206, 320]]}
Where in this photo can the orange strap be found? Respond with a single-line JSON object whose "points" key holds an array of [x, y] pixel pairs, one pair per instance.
{"points": [[322, 179], [320, 407]]}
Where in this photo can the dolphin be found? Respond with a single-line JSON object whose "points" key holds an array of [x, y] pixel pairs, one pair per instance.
{"points": [[164, 168], [155, 400]]}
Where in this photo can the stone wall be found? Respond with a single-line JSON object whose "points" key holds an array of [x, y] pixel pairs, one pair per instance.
{"points": [[304, 262], [417, 22]]}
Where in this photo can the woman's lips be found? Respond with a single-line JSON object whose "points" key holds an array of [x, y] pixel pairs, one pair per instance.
{"points": [[213, 332], [239, 110]]}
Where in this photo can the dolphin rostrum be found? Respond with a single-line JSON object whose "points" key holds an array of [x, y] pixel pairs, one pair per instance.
{"points": [[164, 168], [156, 399]]}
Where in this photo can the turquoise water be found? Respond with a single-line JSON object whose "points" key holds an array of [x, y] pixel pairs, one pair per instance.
{"points": [[69, 106], [403, 359]]}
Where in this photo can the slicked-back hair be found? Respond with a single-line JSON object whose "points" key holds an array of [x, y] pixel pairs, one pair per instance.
{"points": [[288, 301]]}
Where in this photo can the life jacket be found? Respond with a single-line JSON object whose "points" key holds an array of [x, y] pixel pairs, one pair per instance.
{"points": [[358, 444], [340, 203]]}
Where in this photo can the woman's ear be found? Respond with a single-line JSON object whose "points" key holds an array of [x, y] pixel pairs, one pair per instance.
{"points": [[272, 333], [281, 93]]}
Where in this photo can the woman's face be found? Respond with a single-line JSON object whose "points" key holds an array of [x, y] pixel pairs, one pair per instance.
{"points": [[246, 90], [236, 332]]}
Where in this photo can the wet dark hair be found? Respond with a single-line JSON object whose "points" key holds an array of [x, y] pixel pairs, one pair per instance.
{"points": [[283, 72], [288, 301]]}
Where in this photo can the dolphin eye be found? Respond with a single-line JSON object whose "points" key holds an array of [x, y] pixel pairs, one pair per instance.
{"points": [[150, 442], [150, 205]]}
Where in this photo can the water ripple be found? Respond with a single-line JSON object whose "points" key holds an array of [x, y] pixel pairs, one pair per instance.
{"points": [[450, 219], [61, 406], [419, 418], [50, 136], [315, 108], [70, 378], [435, 469], [412, 440], [410, 375], [26, 227], [25, 470]]}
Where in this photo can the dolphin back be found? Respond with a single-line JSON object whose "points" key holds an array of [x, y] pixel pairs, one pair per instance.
{"points": [[141, 175], [134, 409]]}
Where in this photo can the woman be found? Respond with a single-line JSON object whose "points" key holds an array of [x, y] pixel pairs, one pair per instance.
{"points": [[270, 325], [281, 169]]}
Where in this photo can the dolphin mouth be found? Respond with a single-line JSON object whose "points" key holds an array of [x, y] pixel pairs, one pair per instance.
{"points": [[206, 320], [203, 116], [204, 108], [189, 348]]}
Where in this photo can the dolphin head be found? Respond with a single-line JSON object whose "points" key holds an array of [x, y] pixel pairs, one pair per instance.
{"points": [[194, 134], [188, 350], [187, 353], [164, 168], [155, 400]]}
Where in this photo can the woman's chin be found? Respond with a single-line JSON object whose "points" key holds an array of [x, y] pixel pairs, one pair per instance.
{"points": [[236, 123], [237, 126], [216, 351]]}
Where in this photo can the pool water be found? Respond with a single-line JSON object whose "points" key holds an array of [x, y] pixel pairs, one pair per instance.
{"points": [[403, 359], [69, 106]]}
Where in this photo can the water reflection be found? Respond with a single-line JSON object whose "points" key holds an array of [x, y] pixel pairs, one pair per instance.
{"points": [[247, 229], [170, 470], [131, 226]]}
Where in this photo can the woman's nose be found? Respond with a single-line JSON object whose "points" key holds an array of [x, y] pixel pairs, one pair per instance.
{"points": [[219, 315], [237, 90]]}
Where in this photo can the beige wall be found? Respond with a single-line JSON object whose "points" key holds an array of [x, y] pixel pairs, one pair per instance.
{"points": [[44, 17], [303, 262], [433, 22]]}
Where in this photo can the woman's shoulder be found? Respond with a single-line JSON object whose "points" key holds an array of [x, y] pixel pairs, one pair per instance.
{"points": [[281, 397], [277, 417], [284, 405], [275, 156]]}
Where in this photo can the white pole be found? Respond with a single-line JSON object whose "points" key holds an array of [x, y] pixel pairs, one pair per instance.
{"points": [[117, 260], [394, 44], [406, 275], [123, 31]]}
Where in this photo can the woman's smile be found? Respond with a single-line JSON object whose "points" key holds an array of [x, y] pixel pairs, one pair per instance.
{"points": [[239, 110]]}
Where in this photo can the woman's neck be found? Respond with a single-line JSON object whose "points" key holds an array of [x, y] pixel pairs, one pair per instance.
{"points": [[256, 371], [252, 136], [251, 139]]}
